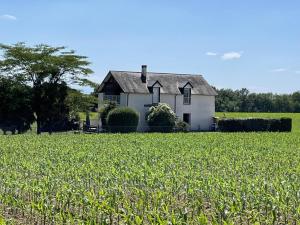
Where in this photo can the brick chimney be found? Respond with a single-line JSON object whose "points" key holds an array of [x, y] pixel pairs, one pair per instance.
{"points": [[144, 74]]}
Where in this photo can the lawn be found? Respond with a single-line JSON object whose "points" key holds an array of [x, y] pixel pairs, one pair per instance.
{"points": [[189, 178], [295, 117], [93, 116]]}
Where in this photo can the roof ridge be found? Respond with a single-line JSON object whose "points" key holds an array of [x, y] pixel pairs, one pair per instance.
{"points": [[188, 74]]}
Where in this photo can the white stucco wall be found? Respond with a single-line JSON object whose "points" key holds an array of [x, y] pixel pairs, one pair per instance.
{"points": [[202, 108], [169, 99], [123, 99], [138, 102], [100, 100]]}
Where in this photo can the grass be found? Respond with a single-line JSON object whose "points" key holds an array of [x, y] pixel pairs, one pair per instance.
{"points": [[295, 117], [189, 178], [93, 116]]}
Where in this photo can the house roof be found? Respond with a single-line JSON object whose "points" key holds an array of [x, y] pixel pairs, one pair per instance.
{"points": [[130, 82]]}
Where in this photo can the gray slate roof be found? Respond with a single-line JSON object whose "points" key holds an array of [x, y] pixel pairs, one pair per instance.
{"points": [[131, 82]]}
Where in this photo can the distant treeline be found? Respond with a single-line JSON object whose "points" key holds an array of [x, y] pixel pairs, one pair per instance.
{"points": [[242, 100]]}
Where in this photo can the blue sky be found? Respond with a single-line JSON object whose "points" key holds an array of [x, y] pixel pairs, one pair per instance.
{"points": [[233, 43]]}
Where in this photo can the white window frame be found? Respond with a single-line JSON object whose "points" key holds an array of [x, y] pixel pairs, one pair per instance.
{"points": [[187, 96]]}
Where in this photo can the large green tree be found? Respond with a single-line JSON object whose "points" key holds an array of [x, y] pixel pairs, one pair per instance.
{"points": [[41, 66]]}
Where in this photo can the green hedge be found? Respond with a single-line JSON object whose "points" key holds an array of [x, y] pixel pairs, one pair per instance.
{"points": [[122, 120], [286, 124], [104, 111], [255, 125]]}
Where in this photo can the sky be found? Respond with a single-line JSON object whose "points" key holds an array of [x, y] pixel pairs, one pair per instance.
{"points": [[234, 44]]}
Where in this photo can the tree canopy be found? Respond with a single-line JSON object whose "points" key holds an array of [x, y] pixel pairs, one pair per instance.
{"points": [[78, 102], [43, 63], [242, 100], [47, 70], [16, 113]]}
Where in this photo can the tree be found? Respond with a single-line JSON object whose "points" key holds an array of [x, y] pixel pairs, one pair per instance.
{"points": [[16, 113], [54, 114], [244, 101], [43, 64], [227, 101], [78, 102], [296, 101]]}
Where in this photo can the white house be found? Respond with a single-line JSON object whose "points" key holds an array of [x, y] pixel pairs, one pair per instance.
{"points": [[190, 96]]}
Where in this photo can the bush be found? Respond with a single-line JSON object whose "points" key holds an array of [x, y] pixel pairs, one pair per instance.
{"points": [[274, 125], [104, 111], [122, 120], [230, 125], [182, 126], [255, 125], [161, 118], [286, 124]]}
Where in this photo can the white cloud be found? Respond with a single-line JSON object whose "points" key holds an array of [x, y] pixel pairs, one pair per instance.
{"points": [[231, 55], [211, 53], [298, 71], [279, 70], [8, 17]]}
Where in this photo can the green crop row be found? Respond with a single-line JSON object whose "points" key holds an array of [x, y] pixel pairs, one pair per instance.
{"points": [[193, 178]]}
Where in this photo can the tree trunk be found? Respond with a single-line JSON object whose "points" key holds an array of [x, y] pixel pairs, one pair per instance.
{"points": [[38, 126], [37, 101]]}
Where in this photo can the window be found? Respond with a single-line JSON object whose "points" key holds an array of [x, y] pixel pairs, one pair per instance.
{"points": [[187, 118], [156, 95], [187, 96], [112, 98]]}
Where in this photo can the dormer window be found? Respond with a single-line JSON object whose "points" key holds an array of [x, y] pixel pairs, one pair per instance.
{"points": [[156, 95], [186, 96], [155, 89]]}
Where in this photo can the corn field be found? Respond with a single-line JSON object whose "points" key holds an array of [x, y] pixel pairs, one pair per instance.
{"points": [[193, 178]]}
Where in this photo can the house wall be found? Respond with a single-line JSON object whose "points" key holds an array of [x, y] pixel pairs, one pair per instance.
{"points": [[123, 99], [100, 101], [202, 108], [138, 102], [169, 99]]}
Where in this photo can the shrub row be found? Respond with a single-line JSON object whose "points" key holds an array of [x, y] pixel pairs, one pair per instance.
{"points": [[160, 118], [255, 124]]}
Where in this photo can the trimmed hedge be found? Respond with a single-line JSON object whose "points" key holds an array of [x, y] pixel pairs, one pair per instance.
{"points": [[122, 120], [286, 124], [255, 125]]}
